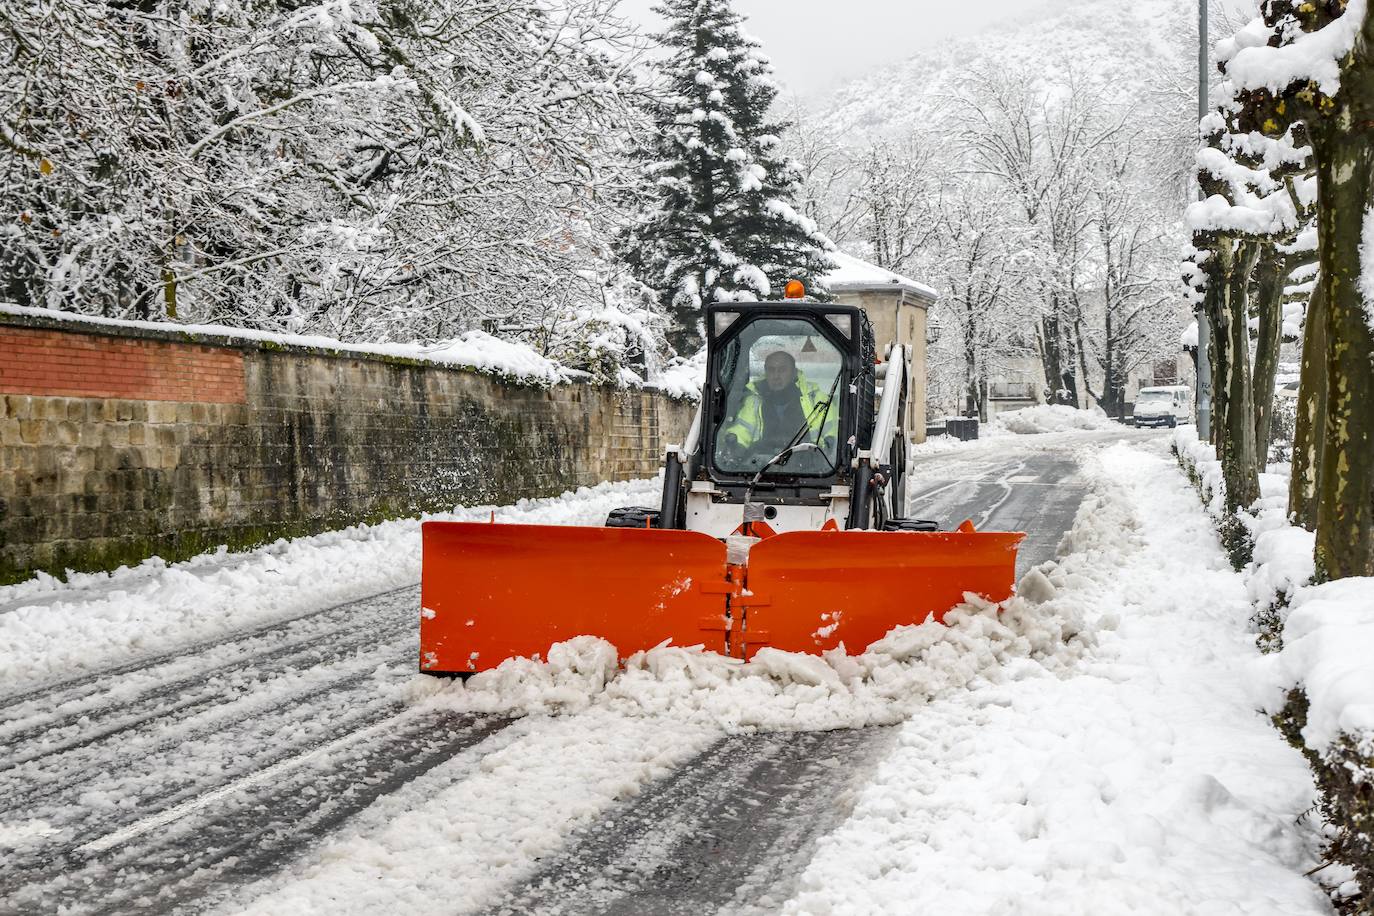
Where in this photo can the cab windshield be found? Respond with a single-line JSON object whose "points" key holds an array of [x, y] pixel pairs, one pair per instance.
{"points": [[781, 381]]}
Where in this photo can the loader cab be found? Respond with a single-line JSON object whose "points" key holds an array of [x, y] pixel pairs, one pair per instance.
{"points": [[778, 374]]}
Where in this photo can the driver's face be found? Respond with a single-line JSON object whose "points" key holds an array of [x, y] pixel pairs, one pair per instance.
{"points": [[779, 372]]}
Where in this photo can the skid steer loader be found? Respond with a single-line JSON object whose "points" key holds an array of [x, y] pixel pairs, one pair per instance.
{"points": [[782, 523]]}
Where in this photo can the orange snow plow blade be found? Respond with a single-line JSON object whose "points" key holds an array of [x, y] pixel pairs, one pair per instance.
{"points": [[810, 591], [492, 592]]}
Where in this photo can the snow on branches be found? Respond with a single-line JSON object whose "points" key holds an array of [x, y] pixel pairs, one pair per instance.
{"points": [[719, 223], [366, 169]]}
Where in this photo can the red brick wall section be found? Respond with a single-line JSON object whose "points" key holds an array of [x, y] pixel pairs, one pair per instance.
{"points": [[59, 364]]}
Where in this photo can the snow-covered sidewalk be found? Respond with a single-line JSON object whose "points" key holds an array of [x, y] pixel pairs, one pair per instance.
{"points": [[1144, 782]]}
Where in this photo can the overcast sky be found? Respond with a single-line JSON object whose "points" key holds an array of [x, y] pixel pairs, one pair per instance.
{"points": [[816, 44]]}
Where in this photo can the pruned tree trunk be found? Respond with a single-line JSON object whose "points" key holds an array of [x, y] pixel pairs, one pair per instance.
{"points": [[1310, 430], [1271, 273], [1345, 486], [1235, 421]]}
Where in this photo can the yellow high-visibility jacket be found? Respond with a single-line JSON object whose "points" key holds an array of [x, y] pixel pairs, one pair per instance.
{"points": [[748, 425]]}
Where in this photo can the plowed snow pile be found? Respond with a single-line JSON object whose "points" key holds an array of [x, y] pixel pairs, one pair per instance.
{"points": [[1052, 418]]}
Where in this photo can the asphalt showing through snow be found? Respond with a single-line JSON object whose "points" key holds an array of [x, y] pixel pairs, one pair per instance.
{"points": [[164, 784]]}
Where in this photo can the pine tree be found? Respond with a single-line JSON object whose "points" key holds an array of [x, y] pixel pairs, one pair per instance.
{"points": [[720, 224]]}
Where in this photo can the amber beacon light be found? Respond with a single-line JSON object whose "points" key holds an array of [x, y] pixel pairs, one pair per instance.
{"points": [[794, 290]]}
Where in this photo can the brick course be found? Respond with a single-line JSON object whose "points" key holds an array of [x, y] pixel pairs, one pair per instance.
{"points": [[175, 458], [35, 361]]}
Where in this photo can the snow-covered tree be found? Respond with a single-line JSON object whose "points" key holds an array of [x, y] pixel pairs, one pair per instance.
{"points": [[368, 169], [1314, 62], [979, 266], [722, 223], [1038, 143], [1128, 314]]}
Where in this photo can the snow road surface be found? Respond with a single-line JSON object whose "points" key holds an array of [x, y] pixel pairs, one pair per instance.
{"points": [[247, 734]]}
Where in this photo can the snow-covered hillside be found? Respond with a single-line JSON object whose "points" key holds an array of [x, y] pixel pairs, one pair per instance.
{"points": [[1121, 48]]}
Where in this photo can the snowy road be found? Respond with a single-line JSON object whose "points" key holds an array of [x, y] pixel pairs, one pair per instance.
{"points": [[298, 765]]}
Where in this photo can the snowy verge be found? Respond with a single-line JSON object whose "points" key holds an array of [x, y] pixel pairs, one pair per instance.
{"points": [[1316, 683], [51, 629], [1052, 418], [1141, 781]]}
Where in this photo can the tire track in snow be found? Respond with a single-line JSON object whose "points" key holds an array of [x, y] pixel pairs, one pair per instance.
{"points": [[63, 781], [237, 833], [191, 658], [182, 698], [728, 830]]}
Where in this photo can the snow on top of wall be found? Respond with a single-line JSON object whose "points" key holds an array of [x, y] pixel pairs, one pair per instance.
{"points": [[474, 350], [860, 274], [1309, 56]]}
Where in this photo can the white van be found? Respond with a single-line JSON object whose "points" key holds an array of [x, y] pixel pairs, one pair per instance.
{"points": [[1167, 405]]}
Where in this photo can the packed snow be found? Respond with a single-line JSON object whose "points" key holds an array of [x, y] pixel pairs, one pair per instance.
{"points": [[1052, 418]]}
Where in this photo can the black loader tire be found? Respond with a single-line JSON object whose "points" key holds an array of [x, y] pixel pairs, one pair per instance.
{"points": [[633, 517], [910, 524]]}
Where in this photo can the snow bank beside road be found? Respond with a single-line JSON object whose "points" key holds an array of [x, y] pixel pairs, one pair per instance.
{"points": [[1052, 418], [1145, 782], [50, 629]]}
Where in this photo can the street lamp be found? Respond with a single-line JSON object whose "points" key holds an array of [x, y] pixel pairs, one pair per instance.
{"points": [[1204, 330]]}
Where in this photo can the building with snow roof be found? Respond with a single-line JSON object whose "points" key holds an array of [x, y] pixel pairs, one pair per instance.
{"points": [[897, 306]]}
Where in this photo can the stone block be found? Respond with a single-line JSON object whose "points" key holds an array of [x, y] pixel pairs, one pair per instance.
{"points": [[18, 406], [162, 412], [137, 433], [115, 435], [33, 432]]}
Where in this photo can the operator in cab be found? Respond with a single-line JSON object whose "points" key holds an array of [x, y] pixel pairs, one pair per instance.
{"points": [[779, 405]]}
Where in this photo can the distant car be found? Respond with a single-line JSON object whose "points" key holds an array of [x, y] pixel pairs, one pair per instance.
{"points": [[1167, 405]]}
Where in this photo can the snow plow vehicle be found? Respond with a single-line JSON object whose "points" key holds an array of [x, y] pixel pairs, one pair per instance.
{"points": [[782, 523]]}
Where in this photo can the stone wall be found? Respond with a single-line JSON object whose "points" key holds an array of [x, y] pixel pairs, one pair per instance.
{"points": [[117, 444]]}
